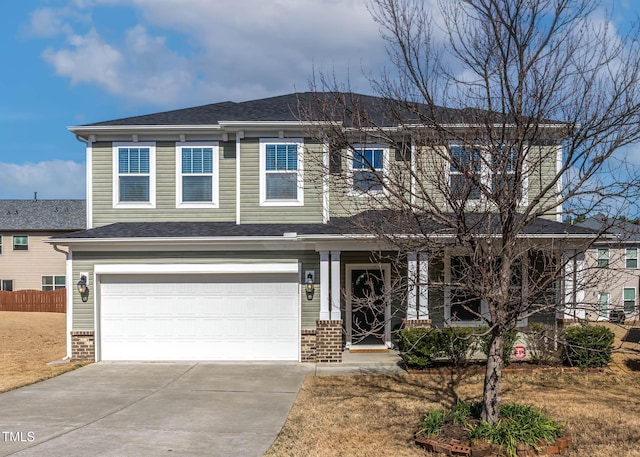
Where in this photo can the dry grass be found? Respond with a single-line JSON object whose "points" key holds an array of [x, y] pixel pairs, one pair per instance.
{"points": [[28, 341], [377, 415]]}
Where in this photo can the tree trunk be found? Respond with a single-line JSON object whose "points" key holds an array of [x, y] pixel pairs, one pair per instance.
{"points": [[492, 378]]}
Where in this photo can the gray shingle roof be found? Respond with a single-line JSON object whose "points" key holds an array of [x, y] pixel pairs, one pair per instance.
{"points": [[625, 230], [42, 215], [345, 106], [348, 225]]}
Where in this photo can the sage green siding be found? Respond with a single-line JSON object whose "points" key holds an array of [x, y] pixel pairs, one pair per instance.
{"points": [[250, 209], [83, 313], [104, 213]]}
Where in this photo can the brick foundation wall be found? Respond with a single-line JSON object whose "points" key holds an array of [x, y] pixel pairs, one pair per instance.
{"points": [[329, 341], [416, 323], [308, 349], [83, 345]]}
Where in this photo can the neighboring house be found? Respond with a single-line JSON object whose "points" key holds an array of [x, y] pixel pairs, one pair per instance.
{"points": [[612, 273], [26, 261], [210, 237]]}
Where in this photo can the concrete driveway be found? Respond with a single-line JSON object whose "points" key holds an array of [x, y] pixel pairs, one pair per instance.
{"points": [[151, 409]]}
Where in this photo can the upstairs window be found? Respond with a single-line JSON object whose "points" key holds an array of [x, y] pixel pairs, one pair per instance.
{"points": [[134, 175], [631, 258], [197, 170], [465, 171], [603, 258], [281, 181], [504, 170], [367, 169], [21, 243]]}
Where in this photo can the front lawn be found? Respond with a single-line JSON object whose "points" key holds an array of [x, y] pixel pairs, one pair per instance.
{"points": [[27, 342]]}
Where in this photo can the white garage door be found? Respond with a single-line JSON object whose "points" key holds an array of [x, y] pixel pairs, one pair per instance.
{"points": [[199, 317]]}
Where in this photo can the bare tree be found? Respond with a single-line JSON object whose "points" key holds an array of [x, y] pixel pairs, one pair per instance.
{"points": [[539, 96]]}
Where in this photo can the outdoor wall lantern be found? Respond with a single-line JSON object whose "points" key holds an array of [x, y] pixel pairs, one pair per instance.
{"points": [[309, 288], [83, 288]]}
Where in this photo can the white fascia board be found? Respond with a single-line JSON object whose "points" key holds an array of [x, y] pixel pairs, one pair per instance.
{"points": [[170, 241], [140, 128], [249, 268]]}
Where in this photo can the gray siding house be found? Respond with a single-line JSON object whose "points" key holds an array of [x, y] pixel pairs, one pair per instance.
{"points": [[212, 235]]}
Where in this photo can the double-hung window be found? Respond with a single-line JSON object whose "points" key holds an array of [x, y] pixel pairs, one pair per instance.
{"points": [[504, 173], [0, 244], [134, 175], [197, 171], [603, 258], [281, 178], [465, 173], [464, 306], [367, 169], [21, 243], [631, 258], [629, 299]]}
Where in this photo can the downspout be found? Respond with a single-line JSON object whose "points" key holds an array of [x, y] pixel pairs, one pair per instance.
{"points": [[89, 177], [69, 295]]}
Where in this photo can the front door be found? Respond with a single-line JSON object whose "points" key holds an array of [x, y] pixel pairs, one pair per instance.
{"points": [[368, 307]]}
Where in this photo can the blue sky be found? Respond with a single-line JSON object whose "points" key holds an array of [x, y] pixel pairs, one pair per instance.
{"points": [[71, 62]]}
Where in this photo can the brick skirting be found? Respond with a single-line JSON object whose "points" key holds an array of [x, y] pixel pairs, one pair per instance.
{"points": [[329, 341], [83, 345], [416, 323], [308, 349]]}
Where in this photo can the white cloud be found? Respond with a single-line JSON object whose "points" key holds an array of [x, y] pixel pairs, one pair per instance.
{"points": [[199, 51], [51, 179]]}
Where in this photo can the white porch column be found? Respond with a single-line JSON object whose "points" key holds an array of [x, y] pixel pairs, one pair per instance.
{"points": [[423, 285], [412, 286], [335, 286], [574, 286], [324, 286]]}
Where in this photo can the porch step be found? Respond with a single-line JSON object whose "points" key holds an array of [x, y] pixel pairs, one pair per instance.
{"points": [[369, 348]]}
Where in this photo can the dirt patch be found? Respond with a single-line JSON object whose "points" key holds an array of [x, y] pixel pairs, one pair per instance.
{"points": [[28, 341]]}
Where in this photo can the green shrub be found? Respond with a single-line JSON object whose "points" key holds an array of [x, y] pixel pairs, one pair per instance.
{"points": [[510, 338], [588, 346], [417, 347], [420, 347], [432, 423], [540, 341], [457, 343]]}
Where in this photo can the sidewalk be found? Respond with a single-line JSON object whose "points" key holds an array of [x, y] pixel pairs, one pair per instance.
{"points": [[363, 363]]}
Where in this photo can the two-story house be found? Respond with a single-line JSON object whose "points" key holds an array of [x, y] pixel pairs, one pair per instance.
{"points": [[611, 289], [26, 261], [212, 234]]}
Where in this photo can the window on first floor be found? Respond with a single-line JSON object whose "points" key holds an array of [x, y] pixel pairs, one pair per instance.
{"points": [[0, 244], [603, 304], [629, 299], [631, 258], [21, 243], [6, 285], [53, 282]]}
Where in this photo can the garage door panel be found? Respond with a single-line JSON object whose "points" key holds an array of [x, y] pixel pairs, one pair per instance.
{"points": [[202, 317]]}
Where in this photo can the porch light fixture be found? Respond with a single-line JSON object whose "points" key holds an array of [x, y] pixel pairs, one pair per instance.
{"points": [[83, 289], [309, 288]]}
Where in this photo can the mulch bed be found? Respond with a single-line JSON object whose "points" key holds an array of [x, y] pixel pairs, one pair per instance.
{"points": [[513, 368]]}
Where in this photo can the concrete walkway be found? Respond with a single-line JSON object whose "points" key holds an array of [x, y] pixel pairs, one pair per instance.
{"points": [[151, 409]]}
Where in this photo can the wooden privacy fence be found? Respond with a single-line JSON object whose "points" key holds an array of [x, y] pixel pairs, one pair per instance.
{"points": [[52, 301]]}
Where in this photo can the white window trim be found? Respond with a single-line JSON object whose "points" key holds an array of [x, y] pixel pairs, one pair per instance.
{"points": [[263, 170], [215, 175], [13, 241], [486, 175], [351, 171], [152, 175], [53, 282]]}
